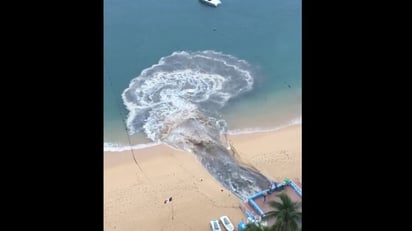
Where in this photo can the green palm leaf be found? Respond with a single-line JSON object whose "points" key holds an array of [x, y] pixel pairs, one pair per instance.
{"points": [[286, 212], [256, 227]]}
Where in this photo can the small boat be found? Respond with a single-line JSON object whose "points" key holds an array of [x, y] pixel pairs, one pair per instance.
{"points": [[214, 224], [214, 3], [226, 223]]}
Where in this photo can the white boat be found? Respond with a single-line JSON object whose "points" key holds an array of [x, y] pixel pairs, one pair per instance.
{"points": [[214, 224], [227, 223], [214, 3]]}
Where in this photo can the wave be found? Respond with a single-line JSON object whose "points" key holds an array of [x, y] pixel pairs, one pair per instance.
{"points": [[242, 131], [114, 147]]}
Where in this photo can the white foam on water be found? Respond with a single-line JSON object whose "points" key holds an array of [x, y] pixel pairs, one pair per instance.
{"points": [[181, 86], [113, 147], [242, 131]]}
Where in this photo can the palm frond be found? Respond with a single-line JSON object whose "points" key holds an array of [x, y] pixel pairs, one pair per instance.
{"points": [[286, 212]]}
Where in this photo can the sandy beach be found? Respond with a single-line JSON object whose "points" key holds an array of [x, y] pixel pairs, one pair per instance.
{"points": [[134, 194]]}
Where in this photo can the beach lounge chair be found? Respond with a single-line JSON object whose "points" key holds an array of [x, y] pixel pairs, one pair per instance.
{"points": [[227, 223], [214, 224]]}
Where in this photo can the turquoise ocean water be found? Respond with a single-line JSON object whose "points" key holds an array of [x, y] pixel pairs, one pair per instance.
{"points": [[265, 33]]}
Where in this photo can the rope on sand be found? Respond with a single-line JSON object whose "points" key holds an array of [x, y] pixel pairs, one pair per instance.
{"points": [[127, 131]]}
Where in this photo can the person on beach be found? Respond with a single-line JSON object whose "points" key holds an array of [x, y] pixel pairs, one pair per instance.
{"points": [[270, 188], [273, 186]]}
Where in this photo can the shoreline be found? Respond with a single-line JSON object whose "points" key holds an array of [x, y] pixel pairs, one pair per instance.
{"points": [[134, 195], [115, 147]]}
